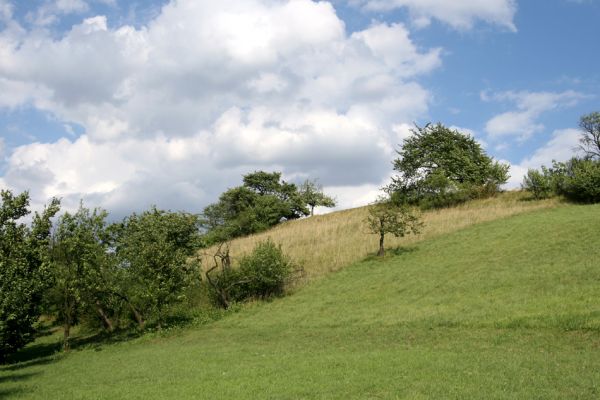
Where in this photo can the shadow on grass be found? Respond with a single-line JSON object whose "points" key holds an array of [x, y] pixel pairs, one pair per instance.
{"points": [[14, 378], [390, 253], [46, 353]]}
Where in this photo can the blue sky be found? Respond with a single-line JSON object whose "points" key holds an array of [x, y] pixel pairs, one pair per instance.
{"points": [[129, 103]]}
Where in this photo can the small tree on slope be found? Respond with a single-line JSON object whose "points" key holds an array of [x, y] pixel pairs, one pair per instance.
{"points": [[386, 217]]}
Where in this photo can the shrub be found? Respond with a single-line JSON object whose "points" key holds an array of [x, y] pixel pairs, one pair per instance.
{"points": [[539, 184], [262, 274], [582, 182]]}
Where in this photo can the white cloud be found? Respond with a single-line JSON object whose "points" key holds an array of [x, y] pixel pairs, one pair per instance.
{"points": [[460, 14], [175, 111], [523, 122], [562, 147]]}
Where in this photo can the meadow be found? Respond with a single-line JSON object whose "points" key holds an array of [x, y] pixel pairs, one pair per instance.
{"points": [[497, 310]]}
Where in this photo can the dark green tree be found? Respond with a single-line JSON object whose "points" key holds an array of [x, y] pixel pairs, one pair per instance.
{"points": [[24, 263], [386, 217], [261, 202], [590, 134], [312, 193], [439, 166], [157, 251]]}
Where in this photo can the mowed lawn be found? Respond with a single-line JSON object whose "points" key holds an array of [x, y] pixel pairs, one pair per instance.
{"points": [[500, 310]]}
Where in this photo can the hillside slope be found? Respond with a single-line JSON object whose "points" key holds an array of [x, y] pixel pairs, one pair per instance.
{"points": [[327, 243], [504, 309]]}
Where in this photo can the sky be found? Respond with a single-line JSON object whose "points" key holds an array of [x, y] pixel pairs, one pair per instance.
{"points": [[128, 104]]}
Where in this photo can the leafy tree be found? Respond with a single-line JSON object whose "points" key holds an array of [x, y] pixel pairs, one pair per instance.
{"points": [[261, 202], [312, 193], [80, 268], [157, 253], [590, 134], [23, 269], [538, 183], [439, 166], [386, 217]]}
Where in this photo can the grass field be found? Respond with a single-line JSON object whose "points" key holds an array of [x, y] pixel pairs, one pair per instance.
{"points": [[499, 310], [327, 243]]}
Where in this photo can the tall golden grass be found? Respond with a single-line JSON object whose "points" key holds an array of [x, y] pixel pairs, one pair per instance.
{"points": [[327, 243]]}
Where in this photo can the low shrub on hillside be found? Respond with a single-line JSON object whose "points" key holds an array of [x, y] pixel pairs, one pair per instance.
{"points": [[262, 274], [577, 179]]}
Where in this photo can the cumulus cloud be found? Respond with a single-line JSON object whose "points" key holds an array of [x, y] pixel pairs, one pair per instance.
{"points": [[523, 122], [175, 111], [460, 14]]}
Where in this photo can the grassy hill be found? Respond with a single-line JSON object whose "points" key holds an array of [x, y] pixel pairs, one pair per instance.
{"points": [[327, 243], [499, 310]]}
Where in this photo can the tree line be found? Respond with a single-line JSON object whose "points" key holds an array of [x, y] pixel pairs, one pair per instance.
{"points": [[83, 269]]}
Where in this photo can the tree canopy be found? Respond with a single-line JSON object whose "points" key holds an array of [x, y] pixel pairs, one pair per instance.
{"points": [[23, 268], [439, 166], [261, 202]]}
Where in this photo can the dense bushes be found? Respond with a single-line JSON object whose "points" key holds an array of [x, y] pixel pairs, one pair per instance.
{"points": [[262, 274], [577, 180]]}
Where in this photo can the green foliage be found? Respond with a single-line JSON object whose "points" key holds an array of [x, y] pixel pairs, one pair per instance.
{"points": [[577, 179], [581, 180], [23, 269], [387, 217], [590, 134], [539, 184], [82, 269], [260, 203], [312, 194], [156, 251], [262, 274], [440, 167]]}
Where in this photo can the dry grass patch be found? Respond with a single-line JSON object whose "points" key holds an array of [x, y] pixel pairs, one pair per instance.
{"points": [[327, 243]]}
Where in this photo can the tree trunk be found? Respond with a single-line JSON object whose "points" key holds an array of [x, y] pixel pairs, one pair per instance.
{"points": [[138, 317], [66, 334], [381, 251], [107, 322], [312, 210]]}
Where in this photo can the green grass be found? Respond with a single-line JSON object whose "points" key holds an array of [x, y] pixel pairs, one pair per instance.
{"points": [[500, 310]]}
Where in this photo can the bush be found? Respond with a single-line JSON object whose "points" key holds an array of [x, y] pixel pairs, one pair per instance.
{"points": [[538, 183], [577, 179], [582, 182], [262, 274]]}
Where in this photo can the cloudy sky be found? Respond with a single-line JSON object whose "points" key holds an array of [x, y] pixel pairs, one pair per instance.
{"points": [[127, 103]]}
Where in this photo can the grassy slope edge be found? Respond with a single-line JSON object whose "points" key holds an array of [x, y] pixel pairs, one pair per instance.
{"points": [[503, 309]]}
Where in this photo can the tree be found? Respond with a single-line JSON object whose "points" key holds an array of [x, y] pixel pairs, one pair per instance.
{"points": [[439, 166], [157, 252], [23, 269], [261, 202], [590, 134], [387, 217], [312, 193], [81, 262], [538, 183]]}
